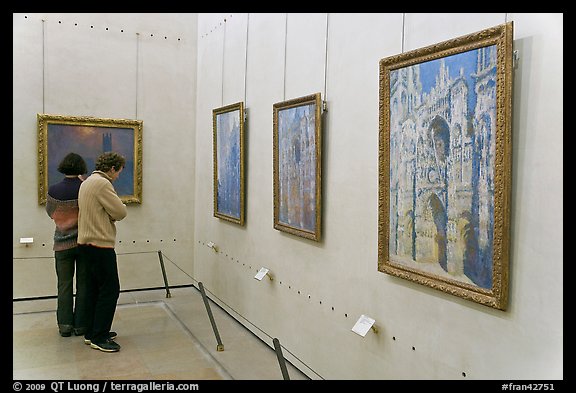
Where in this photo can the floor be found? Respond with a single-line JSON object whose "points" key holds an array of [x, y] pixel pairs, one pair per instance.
{"points": [[161, 338]]}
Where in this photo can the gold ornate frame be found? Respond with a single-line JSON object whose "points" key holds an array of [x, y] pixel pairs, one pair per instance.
{"points": [[80, 127], [400, 248], [237, 111], [311, 214]]}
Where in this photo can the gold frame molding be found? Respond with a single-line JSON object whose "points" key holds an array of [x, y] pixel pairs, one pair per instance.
{"points": [[405, 263], [315, 100], [239, 106], [45, 120]]}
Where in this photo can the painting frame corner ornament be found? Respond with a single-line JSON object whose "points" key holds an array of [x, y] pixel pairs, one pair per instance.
{"points": [[89, 137], [228, 128], [445, 146], [297, 155]]}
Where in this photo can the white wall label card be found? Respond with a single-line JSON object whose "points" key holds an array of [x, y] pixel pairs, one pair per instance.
{"points": [[363, 324], [261, 273]]}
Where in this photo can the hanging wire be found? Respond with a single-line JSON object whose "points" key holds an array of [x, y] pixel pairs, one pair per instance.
{"points": [[137, 57], [246, 58], [285, 49], [326, 58], [403, 30], [43, 66], [223, 58]]}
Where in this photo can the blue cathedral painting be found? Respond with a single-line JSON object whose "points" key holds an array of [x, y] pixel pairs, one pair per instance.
{"points": [[297, 167], [442, 154], [228, 159]]}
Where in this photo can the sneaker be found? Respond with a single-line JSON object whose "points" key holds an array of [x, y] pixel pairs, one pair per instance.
{"points": [[106, 346], [111, 336], [65, 334]]}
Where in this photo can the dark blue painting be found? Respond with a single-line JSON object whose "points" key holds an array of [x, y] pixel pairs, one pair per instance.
{"points": [[90, 137]]}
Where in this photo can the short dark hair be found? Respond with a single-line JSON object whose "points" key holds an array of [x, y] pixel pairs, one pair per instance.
{"points": [[72, 164], [110, 160]]}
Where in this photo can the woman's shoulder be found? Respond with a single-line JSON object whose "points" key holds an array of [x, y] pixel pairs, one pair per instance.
{"points": [[64, 190]]}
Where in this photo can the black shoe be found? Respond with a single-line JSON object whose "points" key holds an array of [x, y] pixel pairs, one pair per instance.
{"points": [[65, 334], [111, 336], [106, 346], [79, 331]]}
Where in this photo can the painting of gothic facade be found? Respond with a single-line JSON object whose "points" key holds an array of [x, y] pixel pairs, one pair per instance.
{"points": [[444, 181], [89, 137], [228, 137], [297, 166]]}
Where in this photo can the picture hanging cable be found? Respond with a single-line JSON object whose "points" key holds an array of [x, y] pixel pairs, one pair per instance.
{"points": [[246, 62], [403, 29], [137, 57], [325, 62], [43, 65], [285, 49], [223, 58]]}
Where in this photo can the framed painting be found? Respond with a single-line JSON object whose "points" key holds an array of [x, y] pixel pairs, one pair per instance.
{"points": [[228, 151], [445, 165], [297, 155], [89, 137]]}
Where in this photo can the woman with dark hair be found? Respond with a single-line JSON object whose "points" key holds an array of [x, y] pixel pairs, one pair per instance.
{"points": [[62, 207]]}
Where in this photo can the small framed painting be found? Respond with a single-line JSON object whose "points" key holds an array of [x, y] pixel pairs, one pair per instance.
{"points": [[297, 166], [228, 152], [89, 137]]}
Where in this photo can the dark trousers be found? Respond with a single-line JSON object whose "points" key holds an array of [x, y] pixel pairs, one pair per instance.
{"points": [[103, 291], [70, 314]]}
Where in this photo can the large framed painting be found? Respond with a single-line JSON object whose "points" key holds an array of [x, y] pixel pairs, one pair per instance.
{"points": [[228, 145], [89, 137], [297, 166], [445, 165]]}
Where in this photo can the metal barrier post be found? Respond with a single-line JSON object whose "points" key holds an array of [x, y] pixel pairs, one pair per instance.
{"points": [[164, 274], [220, 346], [281, 360]]}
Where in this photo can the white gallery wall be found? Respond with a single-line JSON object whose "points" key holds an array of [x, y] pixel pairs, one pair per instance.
{"points": [[120, 66], [320, 289], [70, 64]]}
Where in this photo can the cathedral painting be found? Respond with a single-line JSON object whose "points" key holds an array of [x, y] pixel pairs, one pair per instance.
{"points": [[228, 137], [442, 176], [90, 137], [297, 166]]}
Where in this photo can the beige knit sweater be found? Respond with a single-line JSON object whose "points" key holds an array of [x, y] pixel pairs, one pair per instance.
{"points": [[100, 208]]}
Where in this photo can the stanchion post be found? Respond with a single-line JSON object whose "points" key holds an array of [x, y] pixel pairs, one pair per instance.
{"points": [[220, 346], [164, 274], [281, 359]]}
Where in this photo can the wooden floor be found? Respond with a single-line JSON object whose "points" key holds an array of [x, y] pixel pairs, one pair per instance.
{"points": [[161, 339]]}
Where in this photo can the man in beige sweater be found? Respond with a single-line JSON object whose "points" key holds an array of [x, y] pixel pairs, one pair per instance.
{"points": [[99, 209]]}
